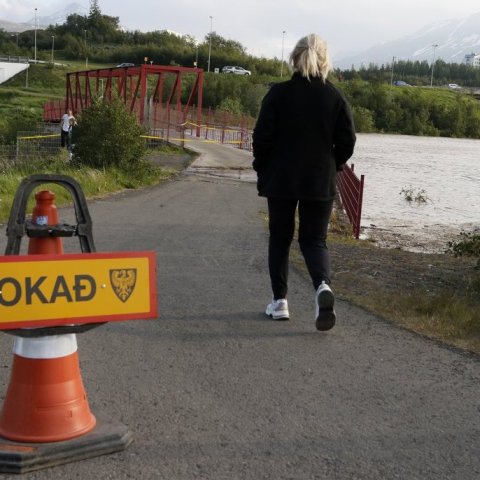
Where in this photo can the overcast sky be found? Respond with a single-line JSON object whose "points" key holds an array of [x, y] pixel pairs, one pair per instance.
{"points": [[347, 25]]}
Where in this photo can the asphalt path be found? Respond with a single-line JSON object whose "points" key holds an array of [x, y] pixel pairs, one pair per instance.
{"points": [[214, 389]]}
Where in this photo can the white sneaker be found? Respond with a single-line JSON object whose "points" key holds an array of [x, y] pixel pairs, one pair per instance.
{"points": [[324, 313], [278, 309]]}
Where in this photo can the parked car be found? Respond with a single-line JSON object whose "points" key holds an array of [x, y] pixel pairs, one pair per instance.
{"points": [[120, 65], [401, 83], [236, 70], [454, 86]]}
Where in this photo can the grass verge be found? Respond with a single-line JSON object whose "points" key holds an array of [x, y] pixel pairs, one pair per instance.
{"points": [[94, 182], [436, 295]]}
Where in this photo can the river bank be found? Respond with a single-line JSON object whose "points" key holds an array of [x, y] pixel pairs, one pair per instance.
{"points": [[441, 175]]}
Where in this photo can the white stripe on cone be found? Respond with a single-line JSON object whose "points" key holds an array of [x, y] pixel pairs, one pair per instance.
{"points": [[54, 346]]}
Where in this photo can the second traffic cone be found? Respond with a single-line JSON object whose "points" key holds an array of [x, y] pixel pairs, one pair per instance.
{"points": [[45, 213], [45, 400]]}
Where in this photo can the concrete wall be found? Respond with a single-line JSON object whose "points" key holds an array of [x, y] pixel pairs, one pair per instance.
{"points": [[8, 70]]}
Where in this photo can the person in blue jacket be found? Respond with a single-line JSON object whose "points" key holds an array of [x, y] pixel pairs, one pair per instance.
{"points": [[303, 135]]}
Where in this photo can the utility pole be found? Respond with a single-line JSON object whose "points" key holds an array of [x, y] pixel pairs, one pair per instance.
{"points": [[433, 63], [391, 77], [53, 47], [86, 56], [283, 42], [35, 42], [210, 44]]}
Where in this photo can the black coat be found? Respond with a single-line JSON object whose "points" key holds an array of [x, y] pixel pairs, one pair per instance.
{"points": [[304, 134]]}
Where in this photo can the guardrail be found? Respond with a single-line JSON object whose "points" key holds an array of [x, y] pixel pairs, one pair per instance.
{"points": [[13, 59], [351, 195]]}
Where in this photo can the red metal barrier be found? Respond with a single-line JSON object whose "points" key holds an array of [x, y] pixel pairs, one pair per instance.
{"points": [[144, 89], [351, 194], [53, 111]]}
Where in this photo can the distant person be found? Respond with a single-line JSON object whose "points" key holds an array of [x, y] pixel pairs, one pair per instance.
{"points": [[72, 123], [65, 127], [303, 135]]}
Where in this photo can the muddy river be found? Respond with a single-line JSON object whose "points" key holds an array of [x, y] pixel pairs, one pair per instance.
{"points": [[441, 176]]}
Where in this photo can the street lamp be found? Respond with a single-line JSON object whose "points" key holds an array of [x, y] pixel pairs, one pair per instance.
{"points": [[35, 43], [391, 77], [210, 44], [433, 63], [283, 41], [53, 46], [86, 56]]}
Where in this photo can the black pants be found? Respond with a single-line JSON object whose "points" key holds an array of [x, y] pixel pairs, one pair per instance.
{"points": [[64, 138], [312, 235]]}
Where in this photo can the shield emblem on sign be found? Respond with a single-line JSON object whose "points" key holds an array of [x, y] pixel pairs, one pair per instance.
{"points": [[123, 282]]}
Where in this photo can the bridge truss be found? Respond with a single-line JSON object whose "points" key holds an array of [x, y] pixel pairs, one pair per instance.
{"points": [[158, 95]]}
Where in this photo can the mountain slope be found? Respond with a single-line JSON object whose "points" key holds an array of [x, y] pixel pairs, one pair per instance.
{"points": [[454, 39], [60, 16], [43, 21]]}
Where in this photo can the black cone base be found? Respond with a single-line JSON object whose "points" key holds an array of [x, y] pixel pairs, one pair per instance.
{"points": [[108, 436]]}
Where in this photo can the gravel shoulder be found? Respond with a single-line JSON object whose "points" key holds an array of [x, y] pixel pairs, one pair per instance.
{"points": [[433, 294]]}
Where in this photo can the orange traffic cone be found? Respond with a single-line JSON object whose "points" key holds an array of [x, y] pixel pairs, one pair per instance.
{"points": [[45, 400], [45, 213]]}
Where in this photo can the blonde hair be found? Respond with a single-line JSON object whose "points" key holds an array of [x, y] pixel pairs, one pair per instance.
{"points": [[310, 57]]}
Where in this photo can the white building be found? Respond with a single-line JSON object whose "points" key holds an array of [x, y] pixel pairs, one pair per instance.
{"points": [[473, 59]]}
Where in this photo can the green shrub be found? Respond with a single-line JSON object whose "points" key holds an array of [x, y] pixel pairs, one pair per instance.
{"points": [[231, 105], [363, 119], [412, 195], [18, 119], [107, 135], [468, 245]]}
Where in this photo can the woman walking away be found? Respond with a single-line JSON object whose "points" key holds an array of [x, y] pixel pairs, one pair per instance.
{"points": [[304, 134]]}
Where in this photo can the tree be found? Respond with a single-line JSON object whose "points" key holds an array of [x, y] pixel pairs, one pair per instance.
{"points": [[102, 28], [108, 135], [94, 10]]}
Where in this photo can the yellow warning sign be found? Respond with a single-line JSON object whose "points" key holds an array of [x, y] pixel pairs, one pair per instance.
{"points": [[46, 290]]}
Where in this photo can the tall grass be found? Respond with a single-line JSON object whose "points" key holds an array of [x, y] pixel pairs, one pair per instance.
{"points": [[94, 182], [400, 286]]}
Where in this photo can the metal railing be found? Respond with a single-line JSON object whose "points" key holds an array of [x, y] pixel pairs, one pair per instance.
{"points": [[37, 144], [351, 194], [53, 110], [13, 59]]}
